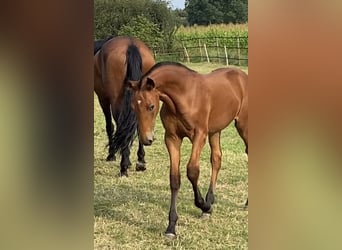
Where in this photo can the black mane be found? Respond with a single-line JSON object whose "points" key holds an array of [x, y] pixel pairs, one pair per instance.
{"points": [[158, 65]]}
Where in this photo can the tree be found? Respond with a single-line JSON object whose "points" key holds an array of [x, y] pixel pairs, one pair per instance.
{"points": [[204, 12], [182, 16], [113, 17], [143, 29]]}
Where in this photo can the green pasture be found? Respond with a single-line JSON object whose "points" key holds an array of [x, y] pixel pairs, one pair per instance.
{"points": [[132, 213]]}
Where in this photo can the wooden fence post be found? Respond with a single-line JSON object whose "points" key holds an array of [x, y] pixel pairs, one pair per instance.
{"points": [[225, 51], [200, 47], [218, 50], [186, 54], [238, 48], [206, 53]]}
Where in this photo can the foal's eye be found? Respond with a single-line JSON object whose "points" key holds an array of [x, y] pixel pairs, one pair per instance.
{"points": [[151, 107]]}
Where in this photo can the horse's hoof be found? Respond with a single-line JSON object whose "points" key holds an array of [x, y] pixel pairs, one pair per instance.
{"points": [[170, 236], [123, 174], [245, 206], [111, 158], [140, 166], [205, 216]]}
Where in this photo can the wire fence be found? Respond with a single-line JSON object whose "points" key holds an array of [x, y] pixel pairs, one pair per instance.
{"points": [[224, 50]]}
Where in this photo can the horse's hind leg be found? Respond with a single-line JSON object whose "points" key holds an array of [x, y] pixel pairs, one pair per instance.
{"points": [[105, 105], [141, 158], [125, 161], [241, 124], [215, 158]]}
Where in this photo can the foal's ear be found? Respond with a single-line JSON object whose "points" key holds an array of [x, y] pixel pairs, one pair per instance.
{"points": [[133, 84], [149, 84]]}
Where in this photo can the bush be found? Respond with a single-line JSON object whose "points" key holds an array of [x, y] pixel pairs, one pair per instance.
{"points": [[143, 29]]}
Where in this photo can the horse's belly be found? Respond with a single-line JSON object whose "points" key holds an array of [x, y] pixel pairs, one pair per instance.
{"points": [[220, 118]]}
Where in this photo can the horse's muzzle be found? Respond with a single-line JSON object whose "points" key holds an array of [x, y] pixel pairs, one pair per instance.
{"points": [[147, 140], [147, 143]]}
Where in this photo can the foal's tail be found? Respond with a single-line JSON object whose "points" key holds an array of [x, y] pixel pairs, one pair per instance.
{"points": [[127, 121]]}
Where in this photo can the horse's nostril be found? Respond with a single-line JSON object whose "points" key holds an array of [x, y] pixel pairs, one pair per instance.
{"points": [[150, 141]]}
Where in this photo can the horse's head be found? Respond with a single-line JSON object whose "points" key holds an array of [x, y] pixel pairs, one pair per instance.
{"points": [[145, 103]]}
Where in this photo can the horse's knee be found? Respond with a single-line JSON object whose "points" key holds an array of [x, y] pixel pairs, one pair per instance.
{"points": [[192, 173], [216, 157]]}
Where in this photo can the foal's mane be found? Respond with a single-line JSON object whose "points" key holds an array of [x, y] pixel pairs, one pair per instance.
{"points": [[160, 64]]}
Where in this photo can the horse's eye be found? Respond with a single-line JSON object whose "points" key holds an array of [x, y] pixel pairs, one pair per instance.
{"points": [[151, 107]]}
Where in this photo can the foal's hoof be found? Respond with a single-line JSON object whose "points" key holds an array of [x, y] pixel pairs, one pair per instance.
{"points": [[170, 236], [245, 207], [140, 166], [111, 158]]}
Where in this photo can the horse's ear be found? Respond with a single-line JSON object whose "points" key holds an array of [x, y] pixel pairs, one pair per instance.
{"points": [[133, 84], [149, 84]]}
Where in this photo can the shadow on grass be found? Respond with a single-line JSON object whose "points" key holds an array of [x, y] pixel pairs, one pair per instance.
{"points": [[109, 202], [127, 203]]}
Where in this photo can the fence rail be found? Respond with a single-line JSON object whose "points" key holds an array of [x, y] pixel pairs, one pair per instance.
{"points": [[225, 50]]}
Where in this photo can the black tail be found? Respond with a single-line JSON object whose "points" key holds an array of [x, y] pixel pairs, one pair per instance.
{"points": [[99, 43], [127, 121]]}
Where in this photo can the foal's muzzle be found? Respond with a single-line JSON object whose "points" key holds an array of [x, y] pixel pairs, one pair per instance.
{"points": [[147, 139]]}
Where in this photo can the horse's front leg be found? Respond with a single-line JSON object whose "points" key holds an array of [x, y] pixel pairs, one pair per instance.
{"points": [[173, 144], [193, 171], [140, 166]]}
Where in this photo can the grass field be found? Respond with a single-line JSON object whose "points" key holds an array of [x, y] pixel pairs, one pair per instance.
{"points": [[132, 213]]}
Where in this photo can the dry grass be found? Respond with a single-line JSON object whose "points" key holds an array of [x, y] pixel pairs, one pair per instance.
{"points": [[132, 213]]}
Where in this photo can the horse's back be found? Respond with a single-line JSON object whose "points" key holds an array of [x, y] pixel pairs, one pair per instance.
{"points": [[114, 54], [111, 65], [232, 80], [227, 88]]}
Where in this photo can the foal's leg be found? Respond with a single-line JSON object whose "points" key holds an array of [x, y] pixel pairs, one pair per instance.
{"points": [[215, 158], [193, 171], [173, 144], [105, 105], [241, 124], [140, 166]]}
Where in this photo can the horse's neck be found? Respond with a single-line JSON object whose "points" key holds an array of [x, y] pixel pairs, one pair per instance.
{"points": [[172, 81], [169, 102], [173, 89]]}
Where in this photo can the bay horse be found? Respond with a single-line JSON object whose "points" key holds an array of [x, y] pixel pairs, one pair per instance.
{"points": [[196, 106], [99, 43], [117, 61]]}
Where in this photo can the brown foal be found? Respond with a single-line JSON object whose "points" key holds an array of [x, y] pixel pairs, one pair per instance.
{"points": [[196, 106]]}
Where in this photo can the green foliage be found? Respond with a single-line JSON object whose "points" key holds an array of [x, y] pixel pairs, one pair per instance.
{"points": [[215, 38], [144, 29], [211, 32], [204, 12], [114, 17]]}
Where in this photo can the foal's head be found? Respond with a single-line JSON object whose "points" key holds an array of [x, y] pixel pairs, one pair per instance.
{"points": [[145, 103]]}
